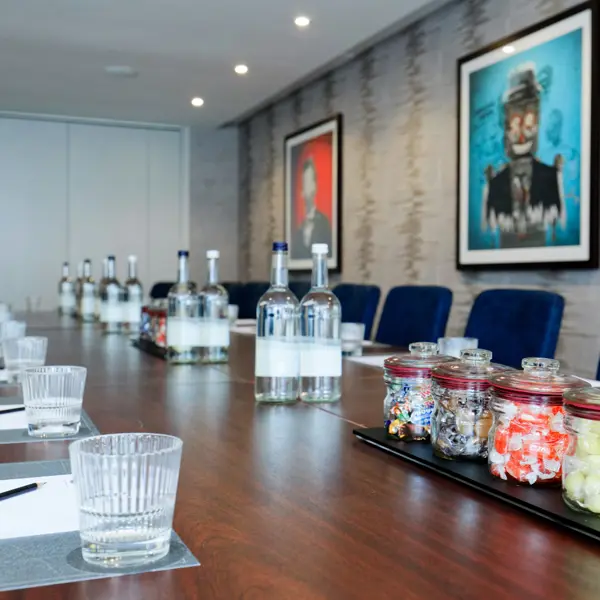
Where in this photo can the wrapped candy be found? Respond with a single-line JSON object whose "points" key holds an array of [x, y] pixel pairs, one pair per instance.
{"points": [[408, 404], [528, 439], [462, 418], [581, 464]]}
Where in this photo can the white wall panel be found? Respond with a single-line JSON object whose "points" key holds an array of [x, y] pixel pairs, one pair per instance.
{"points": [[33, 211]]}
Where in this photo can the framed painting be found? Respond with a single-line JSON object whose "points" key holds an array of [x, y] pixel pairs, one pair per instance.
{"points": [[528, 148], [313, 193]]}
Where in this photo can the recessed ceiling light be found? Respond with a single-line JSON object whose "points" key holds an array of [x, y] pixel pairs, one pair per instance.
{"points": [[302, 21], [121, 71], [508, 49], [241, 69], [197, 102]]}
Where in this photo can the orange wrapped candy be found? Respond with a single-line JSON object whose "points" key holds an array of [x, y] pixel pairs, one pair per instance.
{"points": [[528, 440]]}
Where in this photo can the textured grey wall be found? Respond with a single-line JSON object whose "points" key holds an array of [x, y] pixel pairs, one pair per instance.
{"points": [[214, 201], [399, 179]]}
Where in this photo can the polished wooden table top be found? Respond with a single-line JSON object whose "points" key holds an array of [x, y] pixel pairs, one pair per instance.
{"points": [[281, 502]]}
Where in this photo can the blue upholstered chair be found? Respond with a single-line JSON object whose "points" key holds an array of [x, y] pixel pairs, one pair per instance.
{"points": [[235, 290], [359, 304], [414, 313], [515, 324], [250, 295], [300, 288], [161, 289]]}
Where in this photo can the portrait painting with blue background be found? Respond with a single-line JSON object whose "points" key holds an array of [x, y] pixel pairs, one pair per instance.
{"points": [[558, 69]]}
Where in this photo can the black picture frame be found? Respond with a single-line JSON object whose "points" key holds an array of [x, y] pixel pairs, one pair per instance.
{"points": [[582, 256], [307, 150]]}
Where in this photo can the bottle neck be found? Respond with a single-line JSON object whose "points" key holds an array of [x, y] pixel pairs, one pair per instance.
{"points": [[111, 268], [105, 268], [87, 269], [213, 271], [319, 272], [279, 269], [132, 269], [183, 274], [65, 271]]}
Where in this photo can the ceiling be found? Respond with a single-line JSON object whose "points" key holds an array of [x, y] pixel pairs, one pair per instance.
{"points": [[53, 53]]}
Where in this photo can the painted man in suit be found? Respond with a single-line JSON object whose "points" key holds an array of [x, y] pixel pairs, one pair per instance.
{"points": [[315, 227], [524, 199]]}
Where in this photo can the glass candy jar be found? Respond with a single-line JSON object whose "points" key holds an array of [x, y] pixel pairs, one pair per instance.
{"points": [[408, 404], [462, 418], [528, 440], [581, 464]]}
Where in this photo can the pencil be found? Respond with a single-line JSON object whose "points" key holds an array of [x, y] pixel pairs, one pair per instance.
{"points": [[11, 410], [20, 490]]}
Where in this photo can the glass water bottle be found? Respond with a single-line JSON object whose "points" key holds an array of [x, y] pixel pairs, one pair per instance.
{"points": [[78, 288], [100, 291], [87, 305], [112, 300], [277, 358], [214, 302], [183, 322], [66, 293], [134, 297], [320, 341]]}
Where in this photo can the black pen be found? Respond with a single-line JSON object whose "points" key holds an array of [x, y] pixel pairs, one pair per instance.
{"points": [[20, 490], [11, 410]]}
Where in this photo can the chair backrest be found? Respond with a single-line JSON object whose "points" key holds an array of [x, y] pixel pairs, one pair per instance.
{"points": [[235, 290], [516, 324], [300, 288], [414, 313], [250, 295], [359, 304], [161, 289]]}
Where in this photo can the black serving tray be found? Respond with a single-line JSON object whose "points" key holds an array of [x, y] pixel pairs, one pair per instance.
{"points": [[546, 503], [150, 347]]}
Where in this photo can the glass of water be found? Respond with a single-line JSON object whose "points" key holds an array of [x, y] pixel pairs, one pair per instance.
{"points": [[11, 329], [23, 353], [352, 335], [127, 483], [233, 310], [53, 397], [453, 346]]}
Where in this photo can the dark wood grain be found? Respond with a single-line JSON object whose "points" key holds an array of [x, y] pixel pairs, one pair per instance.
{"points": [[281, 502]]}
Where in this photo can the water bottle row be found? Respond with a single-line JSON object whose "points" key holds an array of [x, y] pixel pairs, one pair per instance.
{"points": [[117, 307]]}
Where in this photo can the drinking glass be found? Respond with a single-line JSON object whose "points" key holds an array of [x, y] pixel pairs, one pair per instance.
{"points": [[23, 353], [4, 312], [53, 397], [11, 329], [126, 483], [233, 310], [453, 346], [352, 335]]}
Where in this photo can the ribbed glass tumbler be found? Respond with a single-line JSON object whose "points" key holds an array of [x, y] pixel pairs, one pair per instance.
{"points": [[127, 484], [23, 353], [53, 397]]}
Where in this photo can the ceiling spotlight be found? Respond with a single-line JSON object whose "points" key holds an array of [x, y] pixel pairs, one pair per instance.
{"points": [[241, 69], [302, 21], [508, 49], [197, 102]]}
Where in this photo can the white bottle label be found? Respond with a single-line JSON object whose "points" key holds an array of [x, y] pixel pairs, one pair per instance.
{"points": [[320, 358], [134, 311], [214, 333], [88, 304], [277, 358], [111, 312], [67, 300], [183, 332]]}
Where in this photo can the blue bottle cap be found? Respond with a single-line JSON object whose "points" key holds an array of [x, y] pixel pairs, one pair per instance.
{"points": [[280, 246], [111, 257], [183, 253]]}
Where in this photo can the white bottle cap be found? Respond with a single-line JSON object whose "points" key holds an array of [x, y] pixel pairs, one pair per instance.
{"points": [[212, 254], [132, 258], [320, 249]]}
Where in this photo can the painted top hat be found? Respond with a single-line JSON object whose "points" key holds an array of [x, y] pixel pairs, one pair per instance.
{"points": [[522, 84]]}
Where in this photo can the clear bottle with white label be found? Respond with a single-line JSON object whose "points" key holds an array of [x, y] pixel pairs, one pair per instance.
{"points": [[134, 297], [87, 304], [320, 340], [78, 288], [66, 293], [277, 357], [183, 322], [214, 302], [112, 300], [100, 291]]}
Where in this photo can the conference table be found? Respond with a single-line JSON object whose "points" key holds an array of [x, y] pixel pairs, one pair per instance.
{"points": [[282, 502]]}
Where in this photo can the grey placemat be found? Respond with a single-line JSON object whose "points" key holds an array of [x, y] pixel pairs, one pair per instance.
{"points": [[56, 558], [21, 436]]}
